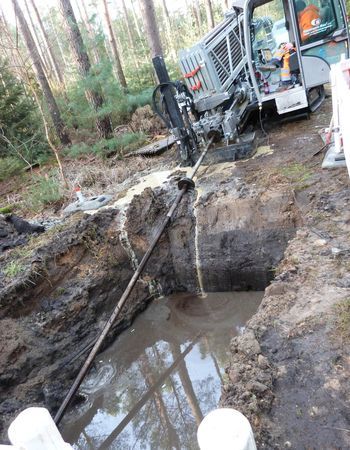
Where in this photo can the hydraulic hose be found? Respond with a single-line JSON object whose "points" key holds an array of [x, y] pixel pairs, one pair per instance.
{"points": [[78, 380], [155, 106]]}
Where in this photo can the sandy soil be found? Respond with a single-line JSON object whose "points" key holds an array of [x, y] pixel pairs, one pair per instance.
{"points": [[289, 372]]}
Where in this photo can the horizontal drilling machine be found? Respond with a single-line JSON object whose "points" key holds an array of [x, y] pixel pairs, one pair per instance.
{"points": [[263, 55]]}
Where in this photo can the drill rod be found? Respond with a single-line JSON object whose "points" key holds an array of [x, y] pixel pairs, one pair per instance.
{"points": [[78, 380]]}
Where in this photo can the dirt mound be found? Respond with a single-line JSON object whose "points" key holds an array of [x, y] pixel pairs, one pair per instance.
{"points": [[289, 370], [146, 121]]}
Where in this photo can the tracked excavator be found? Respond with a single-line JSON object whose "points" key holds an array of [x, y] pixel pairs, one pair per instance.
{"points": [[264, 55]]}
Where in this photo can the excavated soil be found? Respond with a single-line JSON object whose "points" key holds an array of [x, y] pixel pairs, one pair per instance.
{"points": [[276, 216], [289, 371]]}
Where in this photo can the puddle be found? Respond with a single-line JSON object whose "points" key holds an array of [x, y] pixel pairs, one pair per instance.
{"points": [[152, 387]]}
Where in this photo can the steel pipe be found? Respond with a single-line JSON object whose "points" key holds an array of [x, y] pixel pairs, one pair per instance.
{"points": [[77, 382]]}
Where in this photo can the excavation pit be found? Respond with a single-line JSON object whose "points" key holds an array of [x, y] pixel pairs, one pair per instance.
{"points": [[225, 237]]}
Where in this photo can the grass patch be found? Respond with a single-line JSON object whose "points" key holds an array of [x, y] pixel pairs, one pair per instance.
{"points": [[21, 252], [9, 167], [7, 209], [126, 142], [297, 174], [13, 268], [342, 310], [46, 190]]}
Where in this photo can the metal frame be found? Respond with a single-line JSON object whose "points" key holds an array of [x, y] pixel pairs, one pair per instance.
{"points": [[247, 12], [212, 66]]}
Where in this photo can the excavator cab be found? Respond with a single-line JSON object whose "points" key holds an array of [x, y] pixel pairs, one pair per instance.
{"points": [[290, 46]]}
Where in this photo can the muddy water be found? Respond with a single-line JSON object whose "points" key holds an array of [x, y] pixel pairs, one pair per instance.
{"points": [[152, 387]]}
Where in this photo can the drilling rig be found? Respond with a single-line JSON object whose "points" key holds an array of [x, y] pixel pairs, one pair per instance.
{"points": [[263, 55]]}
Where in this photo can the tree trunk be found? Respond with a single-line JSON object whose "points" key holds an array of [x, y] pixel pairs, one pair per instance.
{"points": [[55, 64], [28, 82], [210, 16], [169, 33], [198, 17], [9, 53], [59, 44], [132, 41], [136, 21], [128, 25], [151, 26], [103, 125], [85, 18], [41, 51], [113, 42], [33, 51], [159, 402], [195, 16], [215, 361]]}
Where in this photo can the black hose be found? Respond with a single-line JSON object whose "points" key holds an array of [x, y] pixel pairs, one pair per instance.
{"points": [[155, 106], [180, 88]]}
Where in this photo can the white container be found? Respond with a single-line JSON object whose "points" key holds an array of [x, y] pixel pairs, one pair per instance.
{"points": [[80, 195], [225, 429], [34, 429]]}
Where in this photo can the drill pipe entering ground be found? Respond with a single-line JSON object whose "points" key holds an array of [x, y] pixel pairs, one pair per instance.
{"points": [[186, 182]]}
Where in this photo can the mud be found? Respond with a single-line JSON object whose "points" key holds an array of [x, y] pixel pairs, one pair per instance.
{"points": [[56, 306], [15, 231]]}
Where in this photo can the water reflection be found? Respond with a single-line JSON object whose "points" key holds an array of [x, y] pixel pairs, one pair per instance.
{"points": [[152, 387]]}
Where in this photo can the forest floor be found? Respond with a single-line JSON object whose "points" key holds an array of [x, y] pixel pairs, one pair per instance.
{"points": [[289, 371]]}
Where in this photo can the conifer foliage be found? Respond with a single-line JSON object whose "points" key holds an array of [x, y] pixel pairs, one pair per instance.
{"points": [[76, 71], [21, 133]]}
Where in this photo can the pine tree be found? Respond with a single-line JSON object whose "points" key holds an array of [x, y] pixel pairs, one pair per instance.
{"points": [[38, 42], [21, 135], [87, 24], [44, 84], [151, 26], [52, 56], [115, 51], [103, 124], [210, 15]]}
